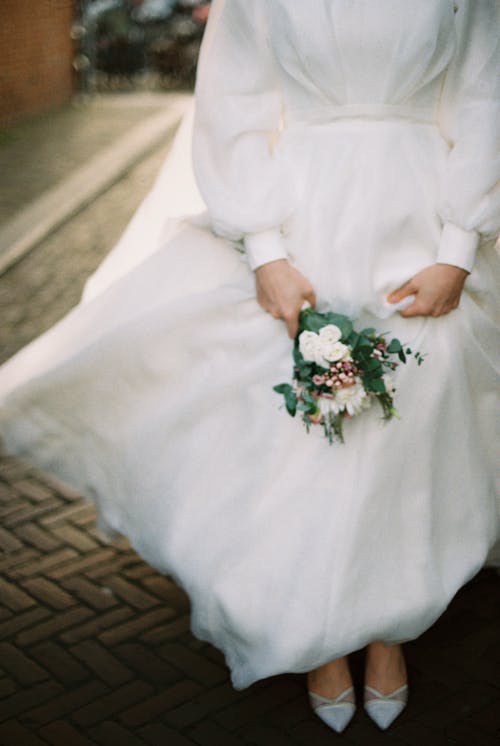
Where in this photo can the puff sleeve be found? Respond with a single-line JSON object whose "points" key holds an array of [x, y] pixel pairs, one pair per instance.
{"points": [[238, 107], [470, 121]]}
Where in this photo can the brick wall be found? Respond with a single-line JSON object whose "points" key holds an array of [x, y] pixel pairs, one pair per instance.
{"points": [[35, 56]]}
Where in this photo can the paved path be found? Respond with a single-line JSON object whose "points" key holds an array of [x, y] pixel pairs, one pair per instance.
{"points": [[40, 153], [54, 165], [95, 646]]}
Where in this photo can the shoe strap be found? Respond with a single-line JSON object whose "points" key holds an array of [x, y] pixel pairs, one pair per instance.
{"points": [[340, 699], [399, 694]]}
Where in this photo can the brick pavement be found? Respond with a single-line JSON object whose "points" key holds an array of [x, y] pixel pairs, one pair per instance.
{"points": [[95, 646]]}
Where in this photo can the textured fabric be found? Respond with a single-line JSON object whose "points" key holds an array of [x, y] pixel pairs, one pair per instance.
{"points": [[154, 397]]}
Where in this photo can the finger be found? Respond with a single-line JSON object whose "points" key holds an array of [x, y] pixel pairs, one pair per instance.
{"points": [[311, 297], [433, 310], [405, 303], [415, 309], [401, 292], [292, 327]]}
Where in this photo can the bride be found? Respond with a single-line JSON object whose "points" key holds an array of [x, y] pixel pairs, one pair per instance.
{"points": [[346, 153]]}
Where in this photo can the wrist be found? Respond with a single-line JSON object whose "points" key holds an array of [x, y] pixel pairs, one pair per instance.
{"points": [[272, 266], [458, 271]]}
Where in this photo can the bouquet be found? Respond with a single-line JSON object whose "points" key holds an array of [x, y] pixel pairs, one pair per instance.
{"points": [[338, 372]]}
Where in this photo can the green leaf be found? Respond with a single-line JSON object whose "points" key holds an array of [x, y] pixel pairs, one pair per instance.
{"points": [[313, 321], [282, 388], [308, 398], [364, 343], [290, 397], [360, 342], [307, 408], [344, 323], [370, 331], [297, 355], [377, 385], [306, 370], [394, 346], [291, 403], [373, 364], [353, 339]]}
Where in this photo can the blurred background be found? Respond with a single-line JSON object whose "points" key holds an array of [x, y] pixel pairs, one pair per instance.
{"points": [[88, 89], [54, 49], [141, 43]]}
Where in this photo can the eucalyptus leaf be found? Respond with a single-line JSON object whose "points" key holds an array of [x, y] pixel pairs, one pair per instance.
{"points": [[378, 386], [373, 364], [291, 403], [282, 388], [297, 355], [394, 346]]}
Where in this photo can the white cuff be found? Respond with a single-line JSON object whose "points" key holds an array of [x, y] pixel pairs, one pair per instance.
{"points": [[458, 247], [264, 247]]}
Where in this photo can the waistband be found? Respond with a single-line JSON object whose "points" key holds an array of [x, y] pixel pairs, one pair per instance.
{"points": [[332, 112]]}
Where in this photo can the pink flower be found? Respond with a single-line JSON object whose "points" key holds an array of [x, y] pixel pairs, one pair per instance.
{"points": [[318, 380]]}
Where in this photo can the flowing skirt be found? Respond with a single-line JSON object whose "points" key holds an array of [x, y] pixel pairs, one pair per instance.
{"points": [[154, 398]]}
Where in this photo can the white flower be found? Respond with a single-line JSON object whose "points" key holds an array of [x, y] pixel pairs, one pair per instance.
{"points": [[352, 399], [330, 334], [320, 349], [308, 345], [389, 383], [325, 405], [332, 351], [320, 360]]}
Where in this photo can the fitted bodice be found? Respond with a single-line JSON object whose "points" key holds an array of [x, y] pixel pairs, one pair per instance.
{"points": [[340, 53], [266, 64]]}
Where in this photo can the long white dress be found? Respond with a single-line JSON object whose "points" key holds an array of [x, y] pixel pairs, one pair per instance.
{"points": [[360, 140]]}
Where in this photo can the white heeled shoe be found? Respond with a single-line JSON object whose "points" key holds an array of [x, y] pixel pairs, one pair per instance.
{"points": [[336, 712], [383, 709]]}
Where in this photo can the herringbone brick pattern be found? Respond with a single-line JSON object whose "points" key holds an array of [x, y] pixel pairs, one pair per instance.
{"points": [[95, 646]]}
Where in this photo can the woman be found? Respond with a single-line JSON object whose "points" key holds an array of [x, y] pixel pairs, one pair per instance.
{"points": [[346, 154]]}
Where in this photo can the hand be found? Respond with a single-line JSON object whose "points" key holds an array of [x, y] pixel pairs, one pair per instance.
{"points": [[437, 289], [282, 290]]}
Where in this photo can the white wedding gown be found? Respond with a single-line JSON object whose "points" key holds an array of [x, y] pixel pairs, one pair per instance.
{"points": [[359, 139]]}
